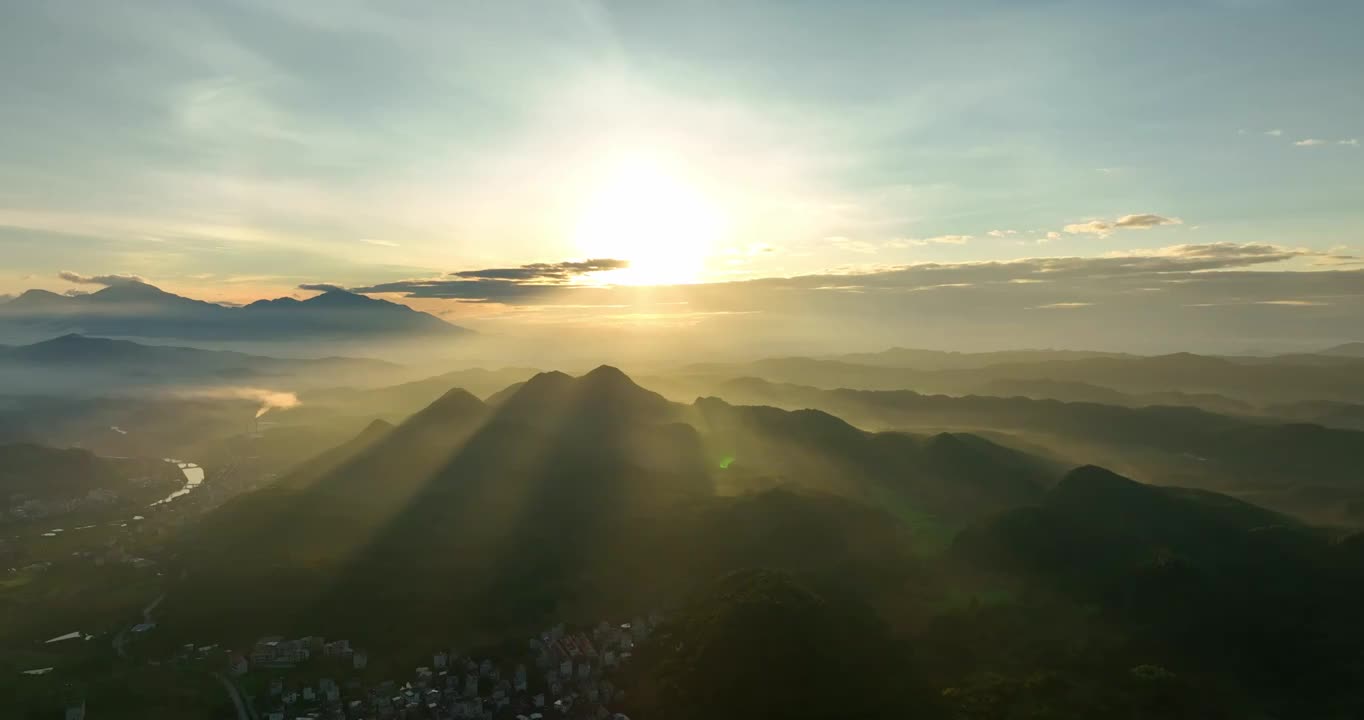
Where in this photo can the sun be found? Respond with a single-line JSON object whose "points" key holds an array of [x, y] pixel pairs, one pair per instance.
{"points": [[648, 213]]}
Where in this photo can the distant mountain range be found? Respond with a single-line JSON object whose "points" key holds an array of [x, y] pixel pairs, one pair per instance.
{"points": [[78, 364], [1171, 445], [1281, 379], [136, 309]]}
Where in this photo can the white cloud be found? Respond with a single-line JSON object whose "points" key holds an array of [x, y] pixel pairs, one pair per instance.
{"points": [[849, 245], [1145, 220], [1062, 306], [1104, 228], [1001, 233], [1053, 235], [1353, 142], [1310, 142], [380, 243], [1101, 228], [942, 240], [1275, 132]]}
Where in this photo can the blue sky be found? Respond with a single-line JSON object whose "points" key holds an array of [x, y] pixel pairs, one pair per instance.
{"points": [[233, 149]]}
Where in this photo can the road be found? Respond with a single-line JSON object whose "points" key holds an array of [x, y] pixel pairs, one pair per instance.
{"points": [[121, 638], [235, 694]]}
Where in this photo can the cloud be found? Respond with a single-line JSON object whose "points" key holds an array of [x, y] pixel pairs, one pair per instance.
{"points": [[105, 280], [545, 283], [1145, 220], [1136, 299], [1001, 233], [322, 287], [1274, 133], [1352, 142], [940, 240], [380, 243], [524, 284], [1053, 235], [1093, 227], [855, 246], [1310, 142], [267, 399], [556, 272], [1104, 228]]}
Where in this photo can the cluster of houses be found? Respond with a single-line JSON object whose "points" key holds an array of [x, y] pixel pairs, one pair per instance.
{"points": [[278, 653], [562, 674]]}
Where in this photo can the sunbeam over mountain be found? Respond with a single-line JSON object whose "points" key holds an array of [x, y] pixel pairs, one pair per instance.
{"points": [[603, 360]]}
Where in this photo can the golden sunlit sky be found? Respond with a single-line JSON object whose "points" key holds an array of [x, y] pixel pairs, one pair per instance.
{"points": [[501, 162]]}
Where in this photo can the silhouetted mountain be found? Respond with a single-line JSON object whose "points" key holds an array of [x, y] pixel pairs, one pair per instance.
{"points": [[1354, 350], [141, 310], [942, 360], [1171, 444], [46, 473], [523, 498], [27, 469], [406, 398], [1070, 391], [758, 643], [1349, 416], [1200, 576], [944, 475], [76, 362], [1257, 382]]}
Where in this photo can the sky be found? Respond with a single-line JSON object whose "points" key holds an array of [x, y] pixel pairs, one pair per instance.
{"points": [[646, 163]]}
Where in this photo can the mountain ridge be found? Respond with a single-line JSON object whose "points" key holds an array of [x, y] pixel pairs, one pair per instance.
{"points": [[135, 309]]}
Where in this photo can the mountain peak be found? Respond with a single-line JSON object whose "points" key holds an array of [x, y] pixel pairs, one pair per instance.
{"points": [[38, 295], [1091, 486], [456, 403], [607, 376], [129, 291], [339, 297]]}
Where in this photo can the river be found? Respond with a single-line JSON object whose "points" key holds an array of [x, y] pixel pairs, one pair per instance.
{"points": [[194, 477]]}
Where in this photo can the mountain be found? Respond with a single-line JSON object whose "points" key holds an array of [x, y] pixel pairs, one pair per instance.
{"points": [[136, 309], [393, 403], [566, 494], [1247, 380], [1354, 350], [32, 471], [1202, 577], [1070, 391], [1348, 416], [35, 470], [917, 359], [77, 362], [1175, 445], [758, 643]]}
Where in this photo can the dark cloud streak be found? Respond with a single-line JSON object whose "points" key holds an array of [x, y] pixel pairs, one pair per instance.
{"points": [[105, 280], [527, 284]]}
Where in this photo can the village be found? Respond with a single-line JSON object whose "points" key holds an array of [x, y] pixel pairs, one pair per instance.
{"points": [[561, 673]]}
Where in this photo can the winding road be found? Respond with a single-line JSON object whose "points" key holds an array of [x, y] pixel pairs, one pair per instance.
{"points": [[235, 694], [121, 638]]}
